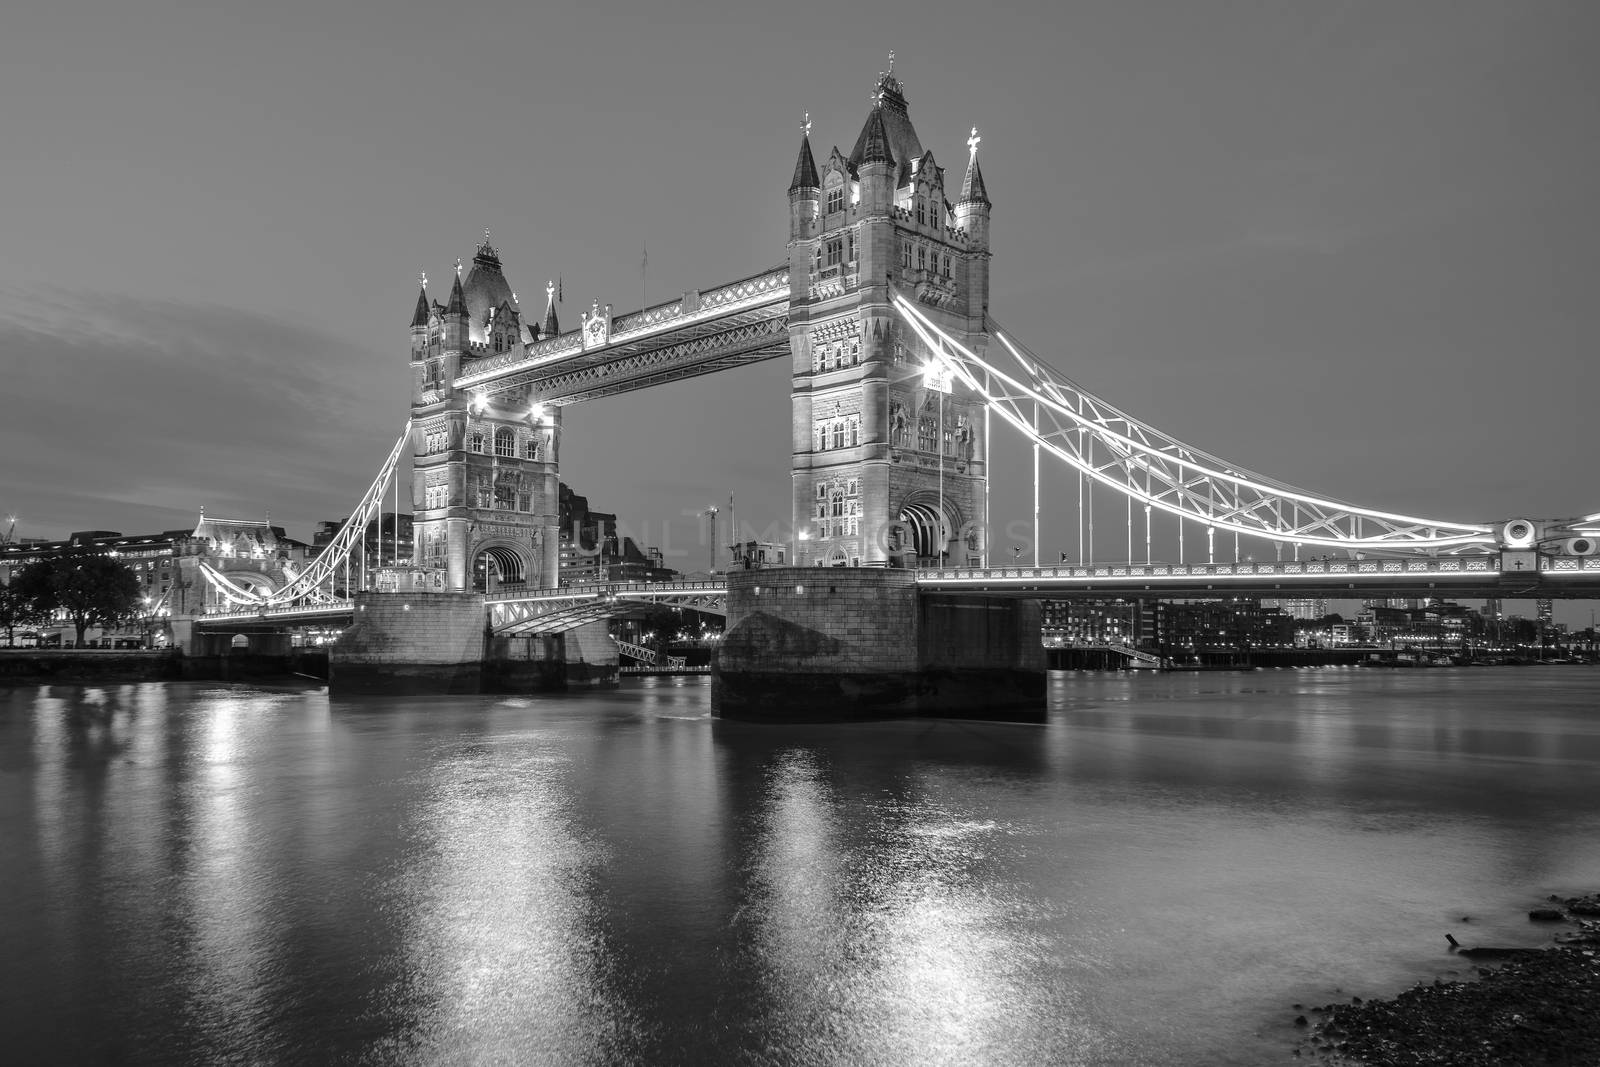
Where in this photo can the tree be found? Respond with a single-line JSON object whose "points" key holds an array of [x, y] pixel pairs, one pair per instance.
{"points": [[91, 589], [15, 610]]}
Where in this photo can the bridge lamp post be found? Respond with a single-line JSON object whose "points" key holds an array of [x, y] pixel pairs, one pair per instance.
{"points": [[936, 376], [711, 550]]}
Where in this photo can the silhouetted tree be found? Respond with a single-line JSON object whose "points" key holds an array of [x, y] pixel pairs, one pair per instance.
{"points": [[91, 589], [15, 610]]}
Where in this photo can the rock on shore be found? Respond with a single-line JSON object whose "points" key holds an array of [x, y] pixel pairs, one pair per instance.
{"points": [[1537, 1009]]}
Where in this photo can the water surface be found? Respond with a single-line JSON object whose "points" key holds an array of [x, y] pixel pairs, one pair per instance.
{"points": [[196, 874]]}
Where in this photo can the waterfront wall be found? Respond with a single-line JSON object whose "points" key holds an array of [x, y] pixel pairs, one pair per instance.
{"points": [[812, 643]]}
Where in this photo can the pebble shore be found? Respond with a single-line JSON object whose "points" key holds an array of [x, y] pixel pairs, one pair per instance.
{"points": [[1528, 1008]]}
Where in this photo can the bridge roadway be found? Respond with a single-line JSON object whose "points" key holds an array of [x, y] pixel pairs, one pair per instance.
{"points": [[552, 611]]}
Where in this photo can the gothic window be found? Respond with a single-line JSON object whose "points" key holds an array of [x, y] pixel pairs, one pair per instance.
{"points": [[524, 501], [483, 496], [855, 431], [850, 247], [433, 374], [835, 199], [905, 255], [838, 434], [945, 261], [436, 496], [836, 502], [835, 251], [855, 352], [816, 260], [505, 442], [922, 212], [475, 441], [822, 438], [505, 497], [853, 488], [922, 258], [530, 448], [927, 434], [819, 353], [822, 492]]}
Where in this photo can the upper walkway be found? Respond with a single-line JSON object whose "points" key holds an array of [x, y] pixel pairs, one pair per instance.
{"points": [[700, 332]]}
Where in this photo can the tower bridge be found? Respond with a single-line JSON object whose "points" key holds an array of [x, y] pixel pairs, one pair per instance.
{"points": [[899, 377]]}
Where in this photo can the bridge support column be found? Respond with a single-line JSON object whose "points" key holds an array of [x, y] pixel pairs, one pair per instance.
{"points": [[832, 644], [410, 643]]}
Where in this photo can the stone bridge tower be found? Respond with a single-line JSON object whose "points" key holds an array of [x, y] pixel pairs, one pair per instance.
{"points": [[484, 476], [888, 467]]}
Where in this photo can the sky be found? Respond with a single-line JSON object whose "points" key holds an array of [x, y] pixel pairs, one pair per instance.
{"points": [[1352, 246]]}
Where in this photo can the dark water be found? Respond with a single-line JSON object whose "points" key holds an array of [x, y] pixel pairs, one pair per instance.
{"points": [[193, 874]]}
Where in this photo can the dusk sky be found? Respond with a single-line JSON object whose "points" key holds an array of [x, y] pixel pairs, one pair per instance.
{"points": [[1349, 245]]}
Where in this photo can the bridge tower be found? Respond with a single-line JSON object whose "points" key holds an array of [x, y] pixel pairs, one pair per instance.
{"points": [[889, 461], [485, 466]]}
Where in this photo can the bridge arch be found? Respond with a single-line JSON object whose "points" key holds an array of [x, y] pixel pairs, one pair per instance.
{"points": [[499, 562], [932, 529]]}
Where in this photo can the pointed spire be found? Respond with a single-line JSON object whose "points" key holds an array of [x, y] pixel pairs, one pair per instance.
{"points": [[873, 144], [458, 300], [972, 190], [420, 316], [551, 326], [805, 167]]}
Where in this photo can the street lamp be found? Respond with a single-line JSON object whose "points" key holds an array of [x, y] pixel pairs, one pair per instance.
{"points": [[711, 550]]}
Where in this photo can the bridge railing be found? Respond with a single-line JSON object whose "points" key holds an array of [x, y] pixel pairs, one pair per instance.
{"points": [[1450, 565], [621, 590], [330, 608]]}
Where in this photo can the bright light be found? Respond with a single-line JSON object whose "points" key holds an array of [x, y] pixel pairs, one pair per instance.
{"points": [[937, 376], [480, 403]]}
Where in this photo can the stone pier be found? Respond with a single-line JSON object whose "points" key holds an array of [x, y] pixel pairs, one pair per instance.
{"points": [[410, 643], [424, 643], [835, 643]]}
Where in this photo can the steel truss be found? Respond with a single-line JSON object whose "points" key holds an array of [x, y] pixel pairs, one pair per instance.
{"points": [[553, 612], [1158, 471]]}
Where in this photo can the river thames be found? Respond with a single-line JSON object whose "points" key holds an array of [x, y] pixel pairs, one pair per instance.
{"points": [[201, 874]]}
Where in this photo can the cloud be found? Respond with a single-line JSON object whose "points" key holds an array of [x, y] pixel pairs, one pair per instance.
{"points": [[126, 408]]}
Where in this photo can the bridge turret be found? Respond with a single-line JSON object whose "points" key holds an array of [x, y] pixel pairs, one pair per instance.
{"points": [[805, 190], [875, 165], [419, 324], [972, 215], [455, 317]]}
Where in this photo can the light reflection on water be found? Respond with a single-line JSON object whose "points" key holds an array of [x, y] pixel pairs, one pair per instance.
{"points": [[199, 874]]}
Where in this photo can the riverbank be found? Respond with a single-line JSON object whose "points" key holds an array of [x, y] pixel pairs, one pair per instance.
{"points": [[1532, 1008], [95, 666]]}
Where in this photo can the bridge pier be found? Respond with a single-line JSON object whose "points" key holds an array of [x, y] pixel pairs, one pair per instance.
{"points": [[844, 643], [585, 658]]}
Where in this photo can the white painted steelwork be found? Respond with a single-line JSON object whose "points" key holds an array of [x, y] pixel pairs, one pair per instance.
{"points": [[1156, 469]]}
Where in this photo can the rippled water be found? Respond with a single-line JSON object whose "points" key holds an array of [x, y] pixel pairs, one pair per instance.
{"points": [[199, 874]]}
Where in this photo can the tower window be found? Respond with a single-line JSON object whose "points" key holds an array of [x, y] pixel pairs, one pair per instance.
{"points": [[530, 448], [475, 441], [835, 200], [922, 212], [835, 251], [905, 255], [505, 442], [922, 258]]}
